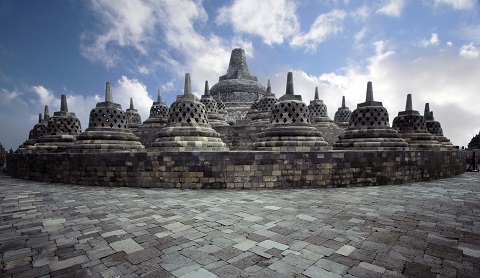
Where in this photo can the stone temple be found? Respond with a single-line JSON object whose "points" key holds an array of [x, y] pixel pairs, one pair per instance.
{"points": [[237, 89], [279, 145]]}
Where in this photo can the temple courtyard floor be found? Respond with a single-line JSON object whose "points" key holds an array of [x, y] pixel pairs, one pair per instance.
{"points": [[422, 229]]}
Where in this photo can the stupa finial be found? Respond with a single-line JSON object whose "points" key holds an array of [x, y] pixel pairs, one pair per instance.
{"points": [[46, 114], [343, 102], [408, 105], [187, 89], [40, 118], [289, 90], [206, 92], [159, 96], [108, 93], [131, 103], [369, 97], [269, 87], [316, 94], [63, 104], [426, 112]]}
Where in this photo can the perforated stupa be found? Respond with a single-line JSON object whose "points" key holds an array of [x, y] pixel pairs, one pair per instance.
{"points": [[342, 116], [38, 131], [211, 106], [62, 130], [320, 119], [188, 128], [264, 109], [435, 128], [107, 129], [133, 117], [290, 128], [369, 128], [411, 126]]}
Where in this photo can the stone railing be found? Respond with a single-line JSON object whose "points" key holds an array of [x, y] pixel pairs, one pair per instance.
{"points": [[238, 169]]}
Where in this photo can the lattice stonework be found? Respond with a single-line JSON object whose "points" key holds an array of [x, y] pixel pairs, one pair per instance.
{"points": [[210, 105], [317, 110], [434, 127], [267, 104], [220, 106], [409, 122], [63, 125], [292, 112], [134, 118], [369, 117], [159, 111], [188, 113], [108, 118], [342, 116]]}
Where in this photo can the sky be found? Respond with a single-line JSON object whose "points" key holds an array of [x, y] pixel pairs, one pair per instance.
{"points": [[428, 48]]}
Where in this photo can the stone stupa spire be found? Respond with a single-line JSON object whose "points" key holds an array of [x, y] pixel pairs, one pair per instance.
{"points": [[46, 114], [108, 93], [40, 118], [408, 105], [159, 96], [187, 88], [343, 102], [63, 104], [316, 94]]}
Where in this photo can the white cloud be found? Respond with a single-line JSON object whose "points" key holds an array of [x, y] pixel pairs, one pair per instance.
{"points": [[443, 79], [361, 14], [392, 8], [433, 41], [125, 24], [449, 43], [360, 35], [154, 26], [456, 4], [324, 26], [273, 21], [124, 89], [469, 51]]}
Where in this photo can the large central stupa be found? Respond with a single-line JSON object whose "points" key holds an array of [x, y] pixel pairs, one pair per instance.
{"points": [[237, 89]]}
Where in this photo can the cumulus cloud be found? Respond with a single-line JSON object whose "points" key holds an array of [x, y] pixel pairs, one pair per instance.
{"points": [[273, 21], [469, 51], [325, 25], [154, 26], [445, 80], [124, 89], [433, 41], [456, 4], [392, 8]]}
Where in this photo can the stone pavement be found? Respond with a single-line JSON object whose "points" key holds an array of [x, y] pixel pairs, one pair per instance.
{"points": [[422, 229]]}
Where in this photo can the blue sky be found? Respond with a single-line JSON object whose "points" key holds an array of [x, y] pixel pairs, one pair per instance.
{"points": [[429, 48]]}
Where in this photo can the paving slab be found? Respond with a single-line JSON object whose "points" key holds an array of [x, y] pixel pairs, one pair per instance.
{"points": [[421, 229]]}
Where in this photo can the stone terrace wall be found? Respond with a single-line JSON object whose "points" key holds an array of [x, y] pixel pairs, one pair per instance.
{"points": [[238, 169]]}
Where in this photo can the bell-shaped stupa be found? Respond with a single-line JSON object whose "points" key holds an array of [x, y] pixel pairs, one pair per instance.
{"points": [[211, 106], [342, 116], [157, 120], [188, 128], [320, 119], [107, 129], [134, 121], [62, 130], [290, 128], [38, 131], [261, 118], [411, 126], [435, 128], [369, 128], [238, 88]]}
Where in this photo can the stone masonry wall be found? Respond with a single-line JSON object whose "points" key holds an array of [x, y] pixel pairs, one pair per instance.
{"points": [[238, 169]]}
